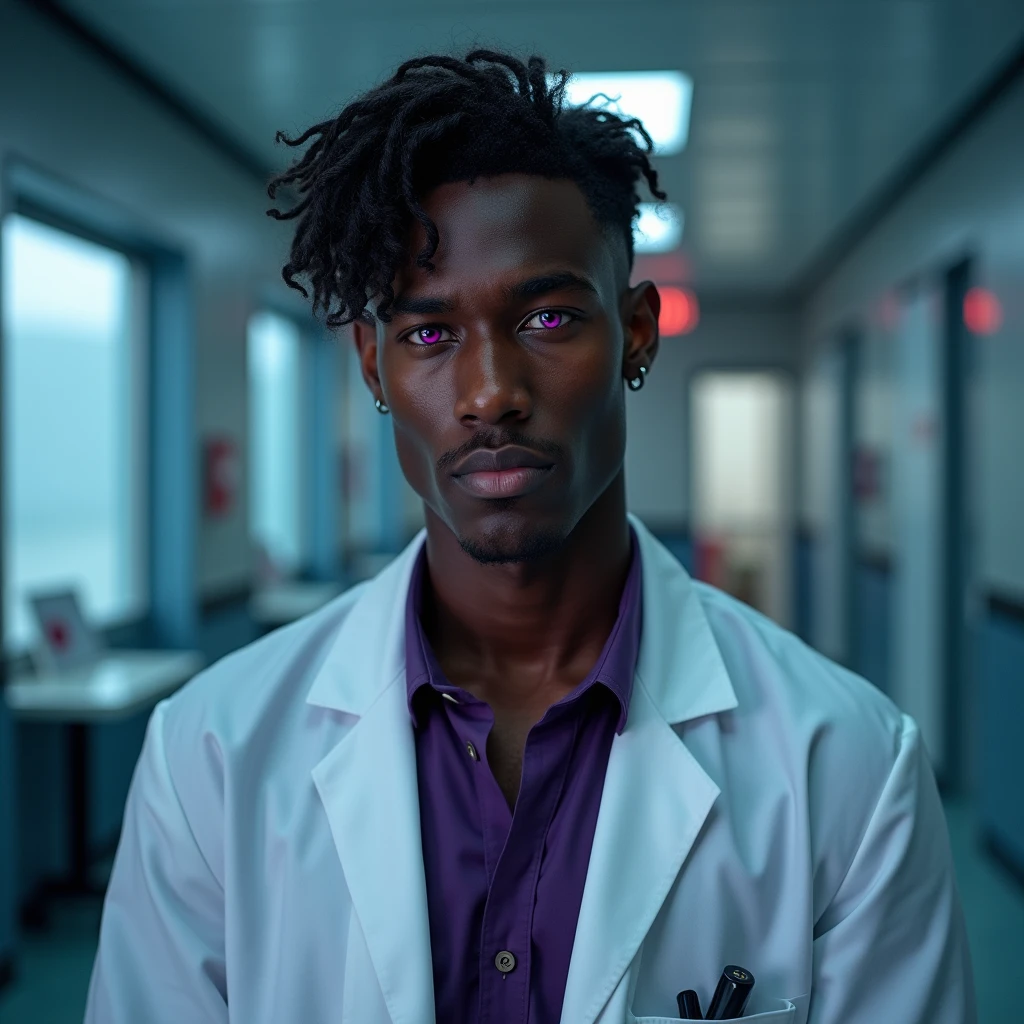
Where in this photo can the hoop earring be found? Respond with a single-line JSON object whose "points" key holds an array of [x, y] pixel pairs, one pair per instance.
{"points": [[381, 407], [636, 383]]}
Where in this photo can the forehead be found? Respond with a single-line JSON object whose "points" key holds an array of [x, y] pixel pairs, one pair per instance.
{"points": [[499, 229]]}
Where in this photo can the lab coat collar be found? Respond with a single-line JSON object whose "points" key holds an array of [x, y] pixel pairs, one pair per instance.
{"points": [[368, 654], [679, 664], [368, 787]]}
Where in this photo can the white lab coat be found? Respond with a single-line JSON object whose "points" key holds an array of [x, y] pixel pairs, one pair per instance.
{"points": [[762, 807]]}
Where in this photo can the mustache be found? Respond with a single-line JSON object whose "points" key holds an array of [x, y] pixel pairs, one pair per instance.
{"points": [[490, 439]]}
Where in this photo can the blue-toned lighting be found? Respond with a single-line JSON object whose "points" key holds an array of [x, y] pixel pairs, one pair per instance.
{"points": [[658, 228], [660, 99]]}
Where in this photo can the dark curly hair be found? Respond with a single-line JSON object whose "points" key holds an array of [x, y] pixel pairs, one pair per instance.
{"points": [[441, 119]]}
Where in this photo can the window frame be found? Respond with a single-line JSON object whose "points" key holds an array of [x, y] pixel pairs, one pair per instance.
{"points": [[139, 386], [171, 485]]}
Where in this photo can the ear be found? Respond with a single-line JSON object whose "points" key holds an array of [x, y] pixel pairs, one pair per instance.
{"points": [[364, 335], [641, 306]]}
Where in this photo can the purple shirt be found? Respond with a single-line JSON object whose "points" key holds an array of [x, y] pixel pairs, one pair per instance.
{"points": [[499, 882]]}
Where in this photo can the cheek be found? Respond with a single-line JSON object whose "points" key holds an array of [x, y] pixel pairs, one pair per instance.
{"points": [[586, 401], [421, 418], [415, 455], [412, 384], [589, 390]]}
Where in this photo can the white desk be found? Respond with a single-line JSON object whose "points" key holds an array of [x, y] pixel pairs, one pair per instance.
{"points": [[120, 684], [281, 603]]}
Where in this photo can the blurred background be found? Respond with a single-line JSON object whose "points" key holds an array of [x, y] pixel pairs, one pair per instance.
{"points": [[833, 431]]}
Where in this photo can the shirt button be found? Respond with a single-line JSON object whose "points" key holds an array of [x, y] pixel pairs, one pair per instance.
{"points": [[451, 697], [471, 750], [505, 961]]}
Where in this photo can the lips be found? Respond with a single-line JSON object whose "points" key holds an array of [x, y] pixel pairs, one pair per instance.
{"points": [[508, 472], [491, 460]]}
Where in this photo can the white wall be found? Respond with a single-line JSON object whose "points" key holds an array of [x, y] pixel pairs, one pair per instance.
{"points": [[972, 202], [69, 114], [657, 451]]}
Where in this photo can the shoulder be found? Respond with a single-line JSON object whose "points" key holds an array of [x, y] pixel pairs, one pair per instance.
{"points": [[772, 668], [253, 696], [241, 731], [254, 714], [809, 732]]}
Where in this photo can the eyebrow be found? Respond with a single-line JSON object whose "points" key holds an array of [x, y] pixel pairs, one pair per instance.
{"points": [[564, 280], [421, 307], [531, 288]]}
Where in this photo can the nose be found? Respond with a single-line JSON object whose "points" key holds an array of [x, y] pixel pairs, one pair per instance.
{"points": [[492, 385]]}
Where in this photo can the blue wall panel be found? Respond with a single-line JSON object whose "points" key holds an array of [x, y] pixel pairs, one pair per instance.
{"points": [[680, 543], [225, 630], [1001, 752], [113, 750], [8, 841], [803, 577], [43, 810], [873, 619], [41, 772]]}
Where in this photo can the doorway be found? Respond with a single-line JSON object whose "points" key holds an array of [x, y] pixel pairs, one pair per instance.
{"points": [[911, 490], [742, 485]]}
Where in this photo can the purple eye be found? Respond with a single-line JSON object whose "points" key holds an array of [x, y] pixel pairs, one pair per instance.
{"points": [[548, 320], [429, 335]]}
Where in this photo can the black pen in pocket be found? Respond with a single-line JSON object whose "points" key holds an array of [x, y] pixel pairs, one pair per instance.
{"points": [[689, 1005], [731, 994]]}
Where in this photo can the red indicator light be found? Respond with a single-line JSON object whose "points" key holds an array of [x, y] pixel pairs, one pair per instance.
{"points": [[680, 312], [983, 313]]}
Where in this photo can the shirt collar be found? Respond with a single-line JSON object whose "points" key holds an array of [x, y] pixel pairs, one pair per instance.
{"points": [[614, 668]]}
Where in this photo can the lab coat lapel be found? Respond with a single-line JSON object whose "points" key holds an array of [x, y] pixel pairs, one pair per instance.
{"points": [[656, 795], [368, 787]]}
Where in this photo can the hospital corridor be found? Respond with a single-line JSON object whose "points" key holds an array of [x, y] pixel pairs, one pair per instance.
{"points": [[829, 429]]}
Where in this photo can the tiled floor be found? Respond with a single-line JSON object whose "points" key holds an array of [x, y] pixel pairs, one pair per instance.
{"points": [[53, 968], [994, 909]]}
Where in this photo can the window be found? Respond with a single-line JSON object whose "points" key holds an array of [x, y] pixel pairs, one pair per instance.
{"points": [[276, 448], [74, 438]]}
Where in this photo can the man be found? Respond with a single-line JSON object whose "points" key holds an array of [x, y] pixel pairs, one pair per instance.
{"points": [[532, 772]]}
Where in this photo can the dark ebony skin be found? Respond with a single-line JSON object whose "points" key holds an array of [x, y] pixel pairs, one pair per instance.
{"points": [[523, 590]]}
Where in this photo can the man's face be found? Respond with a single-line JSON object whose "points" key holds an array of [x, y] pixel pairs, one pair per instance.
{"points": [[503, 367]]}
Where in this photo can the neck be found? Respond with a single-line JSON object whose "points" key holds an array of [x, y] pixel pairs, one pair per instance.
{"points": [[528, 631]]}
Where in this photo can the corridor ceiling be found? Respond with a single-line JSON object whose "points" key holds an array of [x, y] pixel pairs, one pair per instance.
{"points": [[805, 112]]}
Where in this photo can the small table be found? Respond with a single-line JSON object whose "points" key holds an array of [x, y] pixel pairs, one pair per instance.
{"points": [[119, 685], [280, 603]]}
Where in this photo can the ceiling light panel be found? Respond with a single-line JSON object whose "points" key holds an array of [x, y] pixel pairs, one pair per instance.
{"points": [[658, 228], [659, 99]]}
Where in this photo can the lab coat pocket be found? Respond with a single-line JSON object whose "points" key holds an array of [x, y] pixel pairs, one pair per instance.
{"points": [[775, 1012]]}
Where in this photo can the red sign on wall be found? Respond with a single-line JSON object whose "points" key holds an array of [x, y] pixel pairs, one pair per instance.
{"points": [[221, 476]]}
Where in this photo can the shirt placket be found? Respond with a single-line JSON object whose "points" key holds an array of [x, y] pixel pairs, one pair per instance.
{"points": [[506, 946], [472, 721]]}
